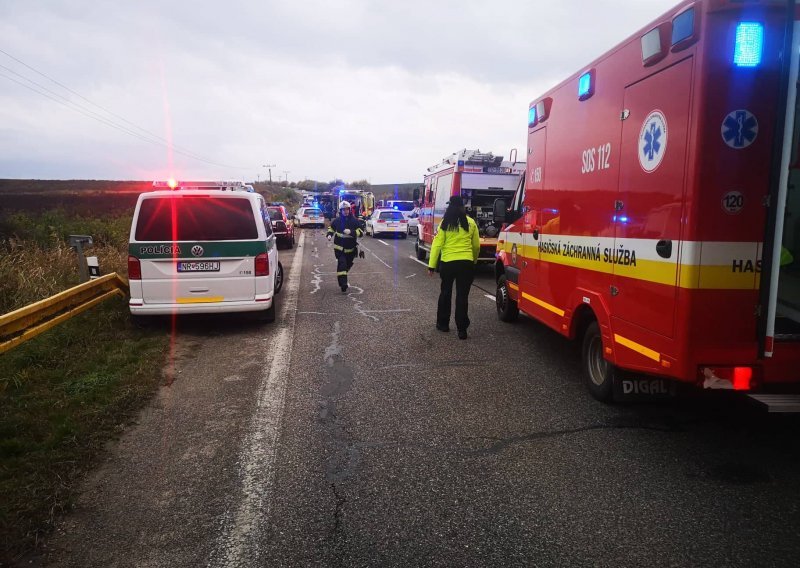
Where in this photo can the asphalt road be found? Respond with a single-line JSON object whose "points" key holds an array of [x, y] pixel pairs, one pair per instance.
{"points": [[352, 433]]}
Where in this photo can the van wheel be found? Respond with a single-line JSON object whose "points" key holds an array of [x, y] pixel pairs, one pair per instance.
{"points": [[278, 278], [421, 254], [268, 315], [507, 309], [599, 373]]}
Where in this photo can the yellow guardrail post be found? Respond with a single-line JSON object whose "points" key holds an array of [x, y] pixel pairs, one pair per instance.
{"points": [[23, 324]]}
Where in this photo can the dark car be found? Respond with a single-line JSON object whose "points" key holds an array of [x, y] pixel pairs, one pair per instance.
{"points": [[281, 226]]}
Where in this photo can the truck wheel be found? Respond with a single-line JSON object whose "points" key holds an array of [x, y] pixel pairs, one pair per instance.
{"points": [[599, 373], [507, 309], [421, 254]]}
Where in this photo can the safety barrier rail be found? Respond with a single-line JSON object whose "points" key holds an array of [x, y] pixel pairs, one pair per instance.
{"points": [[23, 324]]}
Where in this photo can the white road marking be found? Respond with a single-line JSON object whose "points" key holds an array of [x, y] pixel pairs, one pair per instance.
{"points": [[492, 298], [384, 243], [411, 276], [243, 531], [317, 281], [381, 260], [415, 259]]}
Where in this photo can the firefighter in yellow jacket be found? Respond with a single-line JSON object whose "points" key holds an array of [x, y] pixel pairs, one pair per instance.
{"points": [[344, 231], [458, 243]]}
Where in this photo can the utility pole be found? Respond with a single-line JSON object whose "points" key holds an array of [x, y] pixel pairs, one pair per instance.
{"points": [[269, 168], [286, 175]]}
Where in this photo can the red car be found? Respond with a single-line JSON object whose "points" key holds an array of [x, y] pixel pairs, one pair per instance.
{"points": [[281, 225]]}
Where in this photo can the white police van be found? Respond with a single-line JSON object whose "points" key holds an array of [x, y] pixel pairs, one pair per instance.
{"points": [[200, 248]]}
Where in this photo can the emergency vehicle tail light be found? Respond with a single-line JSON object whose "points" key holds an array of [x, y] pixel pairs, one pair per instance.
{"points": [[172, 183], [134, 268], [727, 378], [586, 85], [749, 44], [262, 264]]}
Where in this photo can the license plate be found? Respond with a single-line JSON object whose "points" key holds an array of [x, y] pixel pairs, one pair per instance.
{"points": [[199, 266], [393, 225]]}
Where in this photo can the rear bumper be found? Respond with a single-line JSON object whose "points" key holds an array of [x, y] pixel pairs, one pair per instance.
{"points": [[204, 308]]}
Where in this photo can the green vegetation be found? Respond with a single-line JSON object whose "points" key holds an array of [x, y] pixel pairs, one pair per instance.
{"points": [[64, 394]]}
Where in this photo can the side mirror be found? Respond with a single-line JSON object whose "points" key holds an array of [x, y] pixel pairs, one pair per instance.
{"points": [[499, 212]]}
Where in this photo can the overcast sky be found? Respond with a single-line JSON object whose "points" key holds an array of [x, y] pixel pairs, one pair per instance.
{"points": [[353, 89]]}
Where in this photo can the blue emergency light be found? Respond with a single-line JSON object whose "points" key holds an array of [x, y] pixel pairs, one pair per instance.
{"points": [[586, 85], [749, 44], [531, 116]]}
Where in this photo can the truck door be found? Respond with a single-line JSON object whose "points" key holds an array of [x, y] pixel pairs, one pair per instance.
{"points": [[649, 204], [530, 223]]}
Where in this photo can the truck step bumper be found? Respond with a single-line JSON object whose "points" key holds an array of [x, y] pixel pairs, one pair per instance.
{"points": [[774, 403]]}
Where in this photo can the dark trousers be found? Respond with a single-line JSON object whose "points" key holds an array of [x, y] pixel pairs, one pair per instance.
{"points": [[344, 262], [462, 272]]}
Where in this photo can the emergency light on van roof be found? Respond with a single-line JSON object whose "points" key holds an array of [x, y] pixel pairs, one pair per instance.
{"points": [[586, 85], [749, 44]]}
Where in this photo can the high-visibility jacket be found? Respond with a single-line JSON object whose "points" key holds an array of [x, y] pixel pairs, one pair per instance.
{"points": [[345, 242], [456, 244]]}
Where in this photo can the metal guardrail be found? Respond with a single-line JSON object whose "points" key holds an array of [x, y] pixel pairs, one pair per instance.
{"points": [[23, 324]]}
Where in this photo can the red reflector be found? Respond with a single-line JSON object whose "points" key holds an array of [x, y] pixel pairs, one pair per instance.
{"points": [[381, 220], [134, 268], [305, 214], [404, 221], [262, 265]]}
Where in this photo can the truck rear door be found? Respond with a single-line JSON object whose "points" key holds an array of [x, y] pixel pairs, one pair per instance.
{"points": [[650, 201]]}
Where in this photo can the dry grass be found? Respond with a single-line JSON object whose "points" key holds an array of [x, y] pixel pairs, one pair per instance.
{"points": [[30, 271]]}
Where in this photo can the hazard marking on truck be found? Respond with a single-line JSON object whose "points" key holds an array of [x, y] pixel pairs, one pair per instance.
{"points": [[703, 264], [653, 141], [739, 129]]}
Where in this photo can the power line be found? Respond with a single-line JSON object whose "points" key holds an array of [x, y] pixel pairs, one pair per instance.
{"points": [[91, 114]]}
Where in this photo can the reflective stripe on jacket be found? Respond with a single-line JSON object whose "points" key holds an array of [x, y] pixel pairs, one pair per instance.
{"points": [[456, 244]]}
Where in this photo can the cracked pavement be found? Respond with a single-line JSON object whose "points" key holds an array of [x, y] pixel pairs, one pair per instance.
{"points": [[402, 446]]}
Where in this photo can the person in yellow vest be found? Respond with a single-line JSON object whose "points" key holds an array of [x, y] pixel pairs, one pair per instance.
{"points": [[458, 245]]}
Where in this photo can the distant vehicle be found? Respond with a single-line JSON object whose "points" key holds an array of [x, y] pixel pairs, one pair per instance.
{"points": [[281, 225], [406, 207], [387, 221], [309, 217], [479, 178], [206, 247], [413, 222]]}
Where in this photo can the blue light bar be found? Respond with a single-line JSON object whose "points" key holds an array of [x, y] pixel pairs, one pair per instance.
{"points": [[749, 44], [585, 85], [531, 116]]}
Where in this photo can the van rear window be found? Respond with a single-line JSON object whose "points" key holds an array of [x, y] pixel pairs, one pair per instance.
{"points": [[391, 216], [195, 219]]}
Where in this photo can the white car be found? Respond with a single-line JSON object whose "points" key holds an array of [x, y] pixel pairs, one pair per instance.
{"points": [[387, 221], [202, 251], [309, 217], [413, 222]]}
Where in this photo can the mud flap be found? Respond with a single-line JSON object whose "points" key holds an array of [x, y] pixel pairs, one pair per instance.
{"points": [[635, 387]]}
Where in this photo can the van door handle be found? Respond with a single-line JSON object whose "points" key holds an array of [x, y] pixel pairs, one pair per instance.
{"points": [[664, 248], [536, 234]]}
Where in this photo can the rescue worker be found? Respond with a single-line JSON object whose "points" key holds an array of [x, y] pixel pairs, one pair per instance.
{"points": [[344, 231], [458, 243]]}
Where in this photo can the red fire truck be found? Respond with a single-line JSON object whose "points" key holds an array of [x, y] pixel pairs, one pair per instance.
{"points": [[661, 211], [480, 178]]}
